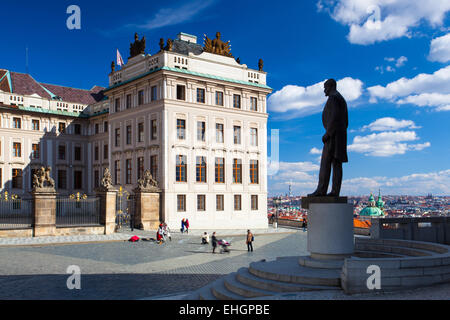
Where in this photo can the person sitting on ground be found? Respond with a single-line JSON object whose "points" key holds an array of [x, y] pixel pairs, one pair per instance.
{"points": [[205, 238], [167, 232], [160, 234]]}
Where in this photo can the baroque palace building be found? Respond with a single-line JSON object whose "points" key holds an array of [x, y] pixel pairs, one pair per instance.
{"points": [[192, 114]]}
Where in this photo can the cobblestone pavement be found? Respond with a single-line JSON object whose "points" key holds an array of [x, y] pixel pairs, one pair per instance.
{"points": [[125, 270]]}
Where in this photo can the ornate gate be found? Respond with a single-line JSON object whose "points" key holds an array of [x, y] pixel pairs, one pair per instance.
{"points": [[124, 210]]}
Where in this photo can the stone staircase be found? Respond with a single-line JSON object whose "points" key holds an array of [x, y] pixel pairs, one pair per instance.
{"points": [[300, 274]]}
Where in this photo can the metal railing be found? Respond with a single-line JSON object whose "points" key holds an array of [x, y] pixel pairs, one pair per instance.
{"points": [[15, 214], [77, 211]]}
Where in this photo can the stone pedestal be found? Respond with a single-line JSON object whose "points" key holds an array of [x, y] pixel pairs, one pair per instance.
{"points": [[330, 230], [108, 209], [44, 212], [147, 211]]}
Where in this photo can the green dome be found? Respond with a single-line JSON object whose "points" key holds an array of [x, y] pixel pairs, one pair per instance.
{"points": [[371, 212]]}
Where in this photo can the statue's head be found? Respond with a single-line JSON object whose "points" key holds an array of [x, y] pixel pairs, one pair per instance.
{"points": [[136, 37], [218, 35], [329, 86]]}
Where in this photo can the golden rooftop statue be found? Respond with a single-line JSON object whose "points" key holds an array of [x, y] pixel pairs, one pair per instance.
{"points": [[138, 47], [217, 46]]}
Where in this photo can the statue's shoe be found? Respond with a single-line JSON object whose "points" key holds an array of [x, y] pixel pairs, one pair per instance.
{"points": [[333, 194], [316, 194]]}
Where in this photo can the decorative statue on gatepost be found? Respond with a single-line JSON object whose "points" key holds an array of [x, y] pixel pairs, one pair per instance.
{"points": [[260, 64], [42, 179], [106, 183], [217, 46], [147, 183]]}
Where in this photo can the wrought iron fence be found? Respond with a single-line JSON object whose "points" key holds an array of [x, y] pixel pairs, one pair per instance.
{"points": [[15, 213], [77, 211]]}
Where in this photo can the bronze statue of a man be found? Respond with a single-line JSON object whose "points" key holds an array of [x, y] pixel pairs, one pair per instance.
{"points": [[334, 153]]}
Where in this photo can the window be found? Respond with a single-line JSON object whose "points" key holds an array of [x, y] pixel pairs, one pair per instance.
{"points": [[200, 95], [253, 137], [105, 151], [62, 152], [254, 171], [141, 132], [77, 128], [181, 167], [201, 202], [140, 97], [128, 171], [117, 172], [117, 137], [96, 153], [219, 202], [220, 170], [219, 132], [128, 101], [17, 123], [17, 149], [237, 171], [181, 129], [140, 167], [34, 124], [77, 179], [128, 134], [96, 178], [17, 179], [236, 101], [154, 93], [201, 169], [201, 129], [154, 166], [181, 202], [237, 202], [117, 105], [253, 104], [105, 126], [237, 134], [254, 204], [96, 128], [35, 154], [219, 98], [154, 133], [77, 153], [181, 92], [61, 127]]}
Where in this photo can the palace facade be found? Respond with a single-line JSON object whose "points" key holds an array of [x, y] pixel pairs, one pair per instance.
{"points": [[191, 114]]}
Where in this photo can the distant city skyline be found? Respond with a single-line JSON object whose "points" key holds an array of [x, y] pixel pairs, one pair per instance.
{"points": [[391, 61]]}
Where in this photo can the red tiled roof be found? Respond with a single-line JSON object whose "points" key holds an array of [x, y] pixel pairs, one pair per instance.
{"points": [[76, 95], [4, 84], [25, 84]]}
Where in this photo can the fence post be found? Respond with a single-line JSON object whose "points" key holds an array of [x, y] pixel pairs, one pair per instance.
{"points": [[147, 211], [107, 209], [44, 212]]}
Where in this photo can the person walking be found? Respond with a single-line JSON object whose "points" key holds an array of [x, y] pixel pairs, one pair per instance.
{"points": [[250, 239], [214, 242], [304, 224], [186, 223], [182, 225], [160, 234]]}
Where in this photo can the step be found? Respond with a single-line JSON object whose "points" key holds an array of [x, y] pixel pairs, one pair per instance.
{"points": [[205, 292], [245, 277], [392, 249], [307, 261], [220, 292], [233, 285], [376, 254], [288, 270]]}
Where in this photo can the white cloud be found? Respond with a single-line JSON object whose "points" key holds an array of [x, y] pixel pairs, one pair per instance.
{"points": [[386, 144], [430, 90], [315, 151], [373, 21], [388, 123], [172, 16], [401, 61], [440, 49], [308, 100]]}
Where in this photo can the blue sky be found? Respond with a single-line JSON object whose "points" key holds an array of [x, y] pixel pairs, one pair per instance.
{"points": [[391, 62]]}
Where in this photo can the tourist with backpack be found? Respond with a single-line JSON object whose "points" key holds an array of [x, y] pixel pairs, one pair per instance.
{"points": [[250, 239]]}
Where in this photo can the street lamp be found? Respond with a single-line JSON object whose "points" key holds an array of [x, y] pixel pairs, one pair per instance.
{"points": [[277, 202]]}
